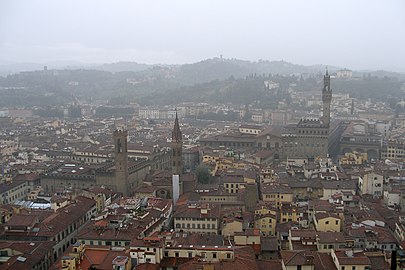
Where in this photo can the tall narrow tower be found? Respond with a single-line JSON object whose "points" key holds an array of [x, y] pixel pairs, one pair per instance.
{"points": [[177, 145], [121, 161], [326, 99]]}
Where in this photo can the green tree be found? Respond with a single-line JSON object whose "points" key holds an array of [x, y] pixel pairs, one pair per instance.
{"points": [[203, 174]]}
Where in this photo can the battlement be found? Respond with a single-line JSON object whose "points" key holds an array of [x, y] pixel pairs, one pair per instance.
{"points": [[120, 133]]}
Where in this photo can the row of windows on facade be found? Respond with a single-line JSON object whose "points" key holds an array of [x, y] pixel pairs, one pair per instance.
{"points": [[231, 185], [395, 151], [15, 197], [336, 222], [229, 144], [292, 144], [203, 255], [201, 219], [108, 243], [274, 196], [283, 214], [88, 159], [17, 188], [64, 233], [212, 199], [324, 132], [195, 226]]}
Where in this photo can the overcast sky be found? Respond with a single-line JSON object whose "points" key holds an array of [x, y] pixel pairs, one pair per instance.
{"points": [[358, 34]]}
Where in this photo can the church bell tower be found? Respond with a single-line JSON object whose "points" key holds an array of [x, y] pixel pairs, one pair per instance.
{"points": [[121, 161], [177, 145]]}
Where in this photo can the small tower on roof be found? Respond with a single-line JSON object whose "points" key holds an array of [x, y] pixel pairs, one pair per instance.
{"points": [[177, 145], [326, 99]]}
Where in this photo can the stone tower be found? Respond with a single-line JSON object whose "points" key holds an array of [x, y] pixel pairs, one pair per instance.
{"points": [[121, 161], [326, 99], [177, 145]]}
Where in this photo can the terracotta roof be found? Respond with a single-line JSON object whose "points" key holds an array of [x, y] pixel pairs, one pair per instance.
{"points": [[195, 212], [272, 264], [356, 259], [293, 258], [322, 215], [147, 266], [330, 237], [269, 243], [320, 261], [244, 259], [33, 252]]}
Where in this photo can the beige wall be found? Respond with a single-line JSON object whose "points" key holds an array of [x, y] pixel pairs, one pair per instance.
{"points": [[244, 240], [230, 228], [267, 225], [197, 226], [329, 224], [210, 255]]}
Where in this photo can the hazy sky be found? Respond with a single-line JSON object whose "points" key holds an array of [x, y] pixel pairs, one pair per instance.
{"points": [[359, 34]]}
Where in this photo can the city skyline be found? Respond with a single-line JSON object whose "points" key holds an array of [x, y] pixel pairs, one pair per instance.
{"points": [[360, 35]]}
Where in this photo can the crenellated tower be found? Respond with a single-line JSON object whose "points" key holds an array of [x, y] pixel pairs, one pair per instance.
{"points": [[121, 161], [326, 99], [177, 145]]}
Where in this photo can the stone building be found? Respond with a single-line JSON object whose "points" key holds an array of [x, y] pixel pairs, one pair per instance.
{"points": [[122, 175], [310, 137]]}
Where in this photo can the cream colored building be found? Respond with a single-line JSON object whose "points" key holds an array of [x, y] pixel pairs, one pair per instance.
{"points": [[353, 158], [349, 260], [230, 227], [266, 223], [371, 183], [277, 193], [344, 73], [327, 222], [209, 253], [197, 218], [12, 191], [249, 237]]}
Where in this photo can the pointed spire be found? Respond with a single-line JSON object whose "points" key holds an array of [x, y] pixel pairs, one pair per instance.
{"points": [[327, 73], [176, 134]]}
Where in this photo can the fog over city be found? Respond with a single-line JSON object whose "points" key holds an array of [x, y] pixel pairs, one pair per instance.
{"points": [[202, 135], [361, 35]]}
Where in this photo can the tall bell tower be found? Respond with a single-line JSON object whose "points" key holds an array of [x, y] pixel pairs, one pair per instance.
{"points": [[177, 145], [121, 161], [326, 99]]}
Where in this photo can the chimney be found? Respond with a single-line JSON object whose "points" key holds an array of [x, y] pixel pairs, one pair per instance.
{"points": [[394, 260]]}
